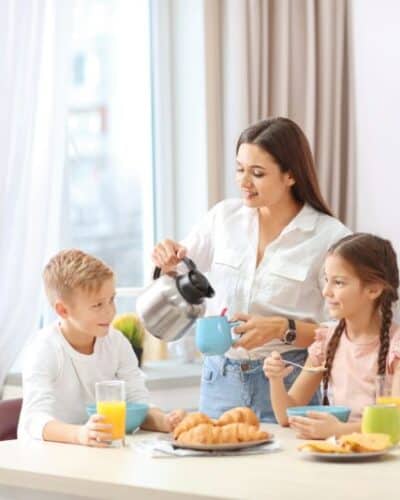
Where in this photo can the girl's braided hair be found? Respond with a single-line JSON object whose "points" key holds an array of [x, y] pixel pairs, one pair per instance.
{"points": [[374, 261]]}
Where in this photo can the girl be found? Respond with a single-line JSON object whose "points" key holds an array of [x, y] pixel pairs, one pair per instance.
{"points": [[362, 280], [263, 253]]}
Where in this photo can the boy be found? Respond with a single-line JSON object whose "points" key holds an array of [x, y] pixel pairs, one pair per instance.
{"points": [[67, 358]]}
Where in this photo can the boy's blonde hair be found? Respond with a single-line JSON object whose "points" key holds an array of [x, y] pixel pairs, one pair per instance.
{"points": [[73, 269]]}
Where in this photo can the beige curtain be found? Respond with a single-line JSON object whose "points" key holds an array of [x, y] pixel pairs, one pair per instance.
{"points": [[289, 58]]}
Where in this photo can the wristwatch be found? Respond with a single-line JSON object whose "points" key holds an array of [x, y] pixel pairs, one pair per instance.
{"points": [[289, 337]]}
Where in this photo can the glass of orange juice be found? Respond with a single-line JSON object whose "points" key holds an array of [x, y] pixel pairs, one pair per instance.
{"points": [[386, 392], [110, 403]]}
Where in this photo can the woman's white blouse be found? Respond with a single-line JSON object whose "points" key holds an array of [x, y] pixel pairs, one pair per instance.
{"points": [[289, 278]]}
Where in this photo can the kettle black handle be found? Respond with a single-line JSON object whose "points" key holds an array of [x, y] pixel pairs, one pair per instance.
{"points": [[190, 264]]}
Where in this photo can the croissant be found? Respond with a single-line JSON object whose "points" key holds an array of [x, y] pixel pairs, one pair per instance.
{"points": [[240, 432], [231, 433], [191, 420], [207, 434], [239, 415], [201, 434]]}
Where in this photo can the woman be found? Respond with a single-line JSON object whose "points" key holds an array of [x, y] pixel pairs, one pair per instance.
{"points": [[264, 256]]}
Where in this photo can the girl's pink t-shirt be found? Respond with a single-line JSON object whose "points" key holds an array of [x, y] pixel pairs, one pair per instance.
{"points": [[354, 369]]}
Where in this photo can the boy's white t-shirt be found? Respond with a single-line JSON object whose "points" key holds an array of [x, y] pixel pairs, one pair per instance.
{"points": [[58, 381]]}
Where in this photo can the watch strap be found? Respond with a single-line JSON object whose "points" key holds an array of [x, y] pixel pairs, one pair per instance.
{"points": [[291, 333]]}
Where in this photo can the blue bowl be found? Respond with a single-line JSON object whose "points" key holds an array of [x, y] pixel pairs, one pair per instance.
{"points": [[340, 412], [135, 414]]}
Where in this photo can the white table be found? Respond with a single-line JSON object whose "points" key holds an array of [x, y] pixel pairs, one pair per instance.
{"points": [[55, 471]]}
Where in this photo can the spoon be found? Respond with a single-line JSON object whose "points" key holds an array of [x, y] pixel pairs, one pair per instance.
{"points": [[311, 369]]}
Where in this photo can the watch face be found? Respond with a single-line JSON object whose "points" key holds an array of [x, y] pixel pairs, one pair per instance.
{"points": [[290, 336]]}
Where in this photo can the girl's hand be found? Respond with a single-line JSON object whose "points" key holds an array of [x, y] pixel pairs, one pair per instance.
{"points": [[258, 330], [173, 418], [316, 425], [275, 368], [167, 255], [94, 432]]}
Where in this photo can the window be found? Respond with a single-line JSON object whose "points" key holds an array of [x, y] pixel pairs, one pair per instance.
{"points": [[109, 195], [109, 165]]}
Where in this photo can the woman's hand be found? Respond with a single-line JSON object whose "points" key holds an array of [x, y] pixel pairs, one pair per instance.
{"points": [[316, 425], [167, 254], [95, 433], [258, 330], [275, 368]]}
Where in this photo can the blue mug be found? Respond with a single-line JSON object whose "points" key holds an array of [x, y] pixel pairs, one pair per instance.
{"points": [[213, 335]]}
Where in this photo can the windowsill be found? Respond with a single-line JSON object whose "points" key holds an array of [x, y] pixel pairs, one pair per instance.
{"points": [[172, 374], [166, 374]]}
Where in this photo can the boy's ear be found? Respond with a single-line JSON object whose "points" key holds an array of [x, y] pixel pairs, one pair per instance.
{"points": [[61, 309]]}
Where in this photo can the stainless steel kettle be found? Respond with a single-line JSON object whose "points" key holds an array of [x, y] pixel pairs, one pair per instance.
{"points": [[170, 305]]}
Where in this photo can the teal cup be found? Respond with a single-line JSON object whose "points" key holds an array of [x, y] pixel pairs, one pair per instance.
{"points": [[214, 335]]}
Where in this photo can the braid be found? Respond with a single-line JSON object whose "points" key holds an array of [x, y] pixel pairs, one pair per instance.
{"points": [[388, 297], [330, 354], [384, 337]]}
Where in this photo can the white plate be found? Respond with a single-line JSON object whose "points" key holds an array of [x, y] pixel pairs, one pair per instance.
{"points": [[228, 446], [343, 457]]}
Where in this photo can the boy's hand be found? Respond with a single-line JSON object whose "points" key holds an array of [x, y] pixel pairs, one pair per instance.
{"points": [[94, 432], [274, 366], [173, 418], [316, 425]]}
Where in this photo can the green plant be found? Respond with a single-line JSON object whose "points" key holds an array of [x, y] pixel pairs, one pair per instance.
{"points": [[131, 326]]}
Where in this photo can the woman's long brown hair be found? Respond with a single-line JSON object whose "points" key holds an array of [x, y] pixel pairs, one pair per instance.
{"points": [[284, 140], [374, 261]]}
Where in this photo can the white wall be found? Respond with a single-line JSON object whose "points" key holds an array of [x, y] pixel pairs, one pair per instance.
{"points": [[377, 91]]}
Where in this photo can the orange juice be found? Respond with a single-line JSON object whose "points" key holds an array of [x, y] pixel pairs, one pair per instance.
{"points": [[114, 413], [388, 400]]}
